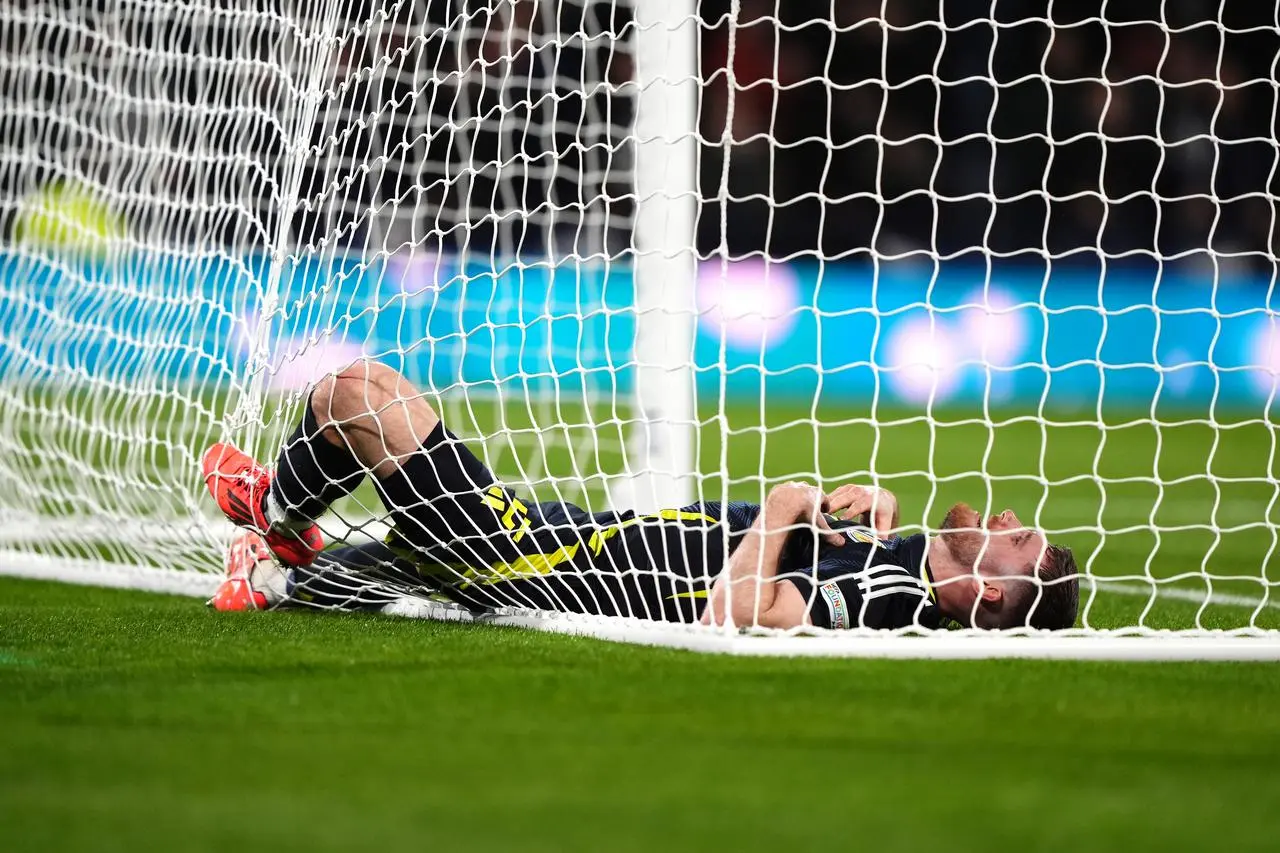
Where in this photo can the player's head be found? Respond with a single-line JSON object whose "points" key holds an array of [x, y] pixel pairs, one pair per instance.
{"points": [[987, 572]]}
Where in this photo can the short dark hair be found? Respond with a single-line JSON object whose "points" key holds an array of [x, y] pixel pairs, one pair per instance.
{"points": [[1058, 594], [1045, 598]]}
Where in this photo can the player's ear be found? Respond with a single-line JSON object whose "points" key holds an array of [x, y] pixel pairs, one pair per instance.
{"points": [[992, 594]]}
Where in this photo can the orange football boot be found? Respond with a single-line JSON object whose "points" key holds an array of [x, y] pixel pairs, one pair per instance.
{"points": [[239, 485], [237, 592]]}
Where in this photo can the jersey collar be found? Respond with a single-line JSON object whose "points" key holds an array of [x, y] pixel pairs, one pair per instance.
{"points": [[926, 577]]}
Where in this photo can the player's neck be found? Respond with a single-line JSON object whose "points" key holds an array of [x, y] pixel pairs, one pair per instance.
{"points": [[943, 569], [939, 562]]}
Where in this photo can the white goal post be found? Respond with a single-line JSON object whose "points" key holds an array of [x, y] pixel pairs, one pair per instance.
{"points": [[647, 254]]}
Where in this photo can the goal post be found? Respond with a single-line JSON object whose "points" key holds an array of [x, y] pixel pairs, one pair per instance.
{"points": [[647, 254], [661, 445]]}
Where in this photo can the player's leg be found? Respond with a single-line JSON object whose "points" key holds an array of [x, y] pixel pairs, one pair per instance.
{"points": [[363, 418], [348, 578], [443, 501]]}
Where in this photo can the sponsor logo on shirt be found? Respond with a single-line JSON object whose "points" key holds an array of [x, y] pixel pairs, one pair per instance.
{"points": [[835, 604]]}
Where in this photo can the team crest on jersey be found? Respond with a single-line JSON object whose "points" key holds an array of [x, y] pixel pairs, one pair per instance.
{"points": [[835, 604], [857, 534]]}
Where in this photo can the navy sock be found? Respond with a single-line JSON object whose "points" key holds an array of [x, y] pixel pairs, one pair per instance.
{"points": [[312, 472], [350, 578], [436, 500]]}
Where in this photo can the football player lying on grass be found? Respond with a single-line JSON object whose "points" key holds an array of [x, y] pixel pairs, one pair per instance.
{"points": [[461, 534]]}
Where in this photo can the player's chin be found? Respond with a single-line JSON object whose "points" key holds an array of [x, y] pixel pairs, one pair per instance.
{"points": [[960, 515]]}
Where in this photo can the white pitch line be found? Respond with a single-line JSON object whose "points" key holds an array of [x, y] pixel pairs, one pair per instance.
{"points": [[1101, 585]]}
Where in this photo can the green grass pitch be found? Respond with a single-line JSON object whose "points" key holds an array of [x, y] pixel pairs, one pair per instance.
{"points": [[138, 722], [130, 721]]}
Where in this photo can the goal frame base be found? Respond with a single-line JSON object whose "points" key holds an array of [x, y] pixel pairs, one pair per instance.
{"points": [[947, 645]]}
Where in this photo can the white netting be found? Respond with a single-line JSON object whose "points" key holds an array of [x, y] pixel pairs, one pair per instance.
{"points": [[1015, 256]]}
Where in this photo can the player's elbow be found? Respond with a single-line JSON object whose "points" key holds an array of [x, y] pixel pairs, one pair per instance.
{"points": [[787, 608], [755, 605], [773, 618], [739, 606]]}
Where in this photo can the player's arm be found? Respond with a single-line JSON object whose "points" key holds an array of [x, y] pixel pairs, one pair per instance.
{"points": [[747, 591]]}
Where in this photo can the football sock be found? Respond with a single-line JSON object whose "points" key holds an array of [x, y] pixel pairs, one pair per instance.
{"points": [[311, 474], [346, 578], [445, 522]]}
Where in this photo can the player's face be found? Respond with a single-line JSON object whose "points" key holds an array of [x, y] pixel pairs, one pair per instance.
{"points": [[994, 543]]}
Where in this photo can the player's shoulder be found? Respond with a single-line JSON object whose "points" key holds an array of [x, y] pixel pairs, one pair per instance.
{"points": [[878, 596], [864, 548], [885, 579], [871, 581]]}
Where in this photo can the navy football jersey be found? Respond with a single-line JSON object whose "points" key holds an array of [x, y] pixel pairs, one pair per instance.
{"points": [[477, 541], [866, 582], [662, 567]]}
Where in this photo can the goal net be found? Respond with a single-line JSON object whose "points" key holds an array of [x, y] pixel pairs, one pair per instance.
{"points": [[643, 255]]}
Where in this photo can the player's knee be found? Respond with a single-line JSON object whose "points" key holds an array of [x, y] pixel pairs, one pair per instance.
{"points": [[348, 393], [365, 388]]}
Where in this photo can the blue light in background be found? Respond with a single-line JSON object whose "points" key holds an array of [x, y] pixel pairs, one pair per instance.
{"points": [[914, 332], [904, 333]]}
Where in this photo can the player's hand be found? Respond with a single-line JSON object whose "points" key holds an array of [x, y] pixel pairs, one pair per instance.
{"points": [[790, 503], [871, 506]]}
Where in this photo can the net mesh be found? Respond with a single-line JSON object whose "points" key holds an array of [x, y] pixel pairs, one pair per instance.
{"points": [[1020, 257]]}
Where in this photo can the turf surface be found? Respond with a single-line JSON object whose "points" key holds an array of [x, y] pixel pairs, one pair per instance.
{"points": [[135, 722]]}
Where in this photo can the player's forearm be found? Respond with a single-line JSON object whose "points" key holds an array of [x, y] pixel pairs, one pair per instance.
{"points": [[747, 588]]}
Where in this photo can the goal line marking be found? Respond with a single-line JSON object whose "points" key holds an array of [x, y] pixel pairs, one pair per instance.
{"points": [[1137, 590]]}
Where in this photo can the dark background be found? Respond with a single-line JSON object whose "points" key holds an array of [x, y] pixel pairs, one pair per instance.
{"points": [[1138, 128], [1023, 128]]}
